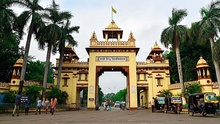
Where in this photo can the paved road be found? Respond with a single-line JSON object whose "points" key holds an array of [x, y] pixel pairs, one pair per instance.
{"points": [[115, 116]]}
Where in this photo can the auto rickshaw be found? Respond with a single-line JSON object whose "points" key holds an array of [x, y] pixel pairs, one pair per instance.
{"points": [[210, 103], [159, 106], [173, 103]]}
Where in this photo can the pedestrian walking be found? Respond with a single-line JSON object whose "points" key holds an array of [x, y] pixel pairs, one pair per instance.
{"points": [[38, 107], [47, 105], [156, 103], [152, 104], [27, 106], [53, 104], [17, 104], [108, 105]]}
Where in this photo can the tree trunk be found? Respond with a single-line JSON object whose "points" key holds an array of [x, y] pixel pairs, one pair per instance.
{"points": [[46, 68], [24, 65], [60, 67], [217, 71], [179, 66]]}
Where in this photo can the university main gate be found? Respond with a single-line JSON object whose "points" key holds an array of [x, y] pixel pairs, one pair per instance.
{"points": [[143, 79]]}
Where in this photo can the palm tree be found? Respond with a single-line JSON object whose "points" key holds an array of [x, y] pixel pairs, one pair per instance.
{"points": [[51, 33], [193, 88], [207, 30], [7, 15], [33, 15], [65, 37], [165, 93], [7, 18], [174, 35]]}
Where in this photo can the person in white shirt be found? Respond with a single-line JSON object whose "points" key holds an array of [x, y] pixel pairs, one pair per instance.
{"points": [[152, 105], [39, 103]]}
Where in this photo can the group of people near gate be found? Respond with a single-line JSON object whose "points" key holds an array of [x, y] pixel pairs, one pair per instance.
{"points": [[154, 103], [107, 105], [40, 104]]}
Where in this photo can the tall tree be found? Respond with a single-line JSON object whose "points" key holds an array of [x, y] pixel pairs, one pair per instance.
{"points": [[174, 35], [35, 71], [9, 54], [7, 15], [9, 50], [50, 33], [66, 36], [190, 55], [32, 14], [208, 29]]}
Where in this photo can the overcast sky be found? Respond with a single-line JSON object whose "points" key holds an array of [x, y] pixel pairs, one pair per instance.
{"points": [[146, 19]]}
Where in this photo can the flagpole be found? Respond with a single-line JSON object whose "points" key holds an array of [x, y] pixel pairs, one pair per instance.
{"points": [[112, 13]]}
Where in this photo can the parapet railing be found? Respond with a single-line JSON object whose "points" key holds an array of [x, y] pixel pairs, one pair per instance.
{"points": [[152, 62], [177, 85], [4, 85]]}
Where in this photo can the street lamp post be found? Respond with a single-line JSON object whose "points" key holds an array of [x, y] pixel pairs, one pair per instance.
{"points": [[111, 93]]}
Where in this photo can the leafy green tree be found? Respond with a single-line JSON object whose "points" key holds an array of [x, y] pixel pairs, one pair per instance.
{"points": [[7, 15], [66, 36], [32, 14], [55, 92], [33, 91], [208, 29], [174, 35], [165, 93], [109, 96], [101, 94], [190, 55], [193, 88], [9, 54], [35, 71], [9, 97], [9, 51], [120, 96]]}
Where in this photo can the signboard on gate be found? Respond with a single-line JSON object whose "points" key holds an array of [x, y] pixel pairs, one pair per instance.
{"points": [[112, 58]]}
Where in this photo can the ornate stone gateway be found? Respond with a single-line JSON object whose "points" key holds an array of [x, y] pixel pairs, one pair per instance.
{"points": [[112, 54], [144, 79]]}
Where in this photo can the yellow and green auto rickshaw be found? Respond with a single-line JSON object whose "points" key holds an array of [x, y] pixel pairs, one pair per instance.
{"points": [[174, 104], [203, 103], [160, 103]]}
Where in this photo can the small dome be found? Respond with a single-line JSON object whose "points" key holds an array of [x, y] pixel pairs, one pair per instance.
{"points": [[112, 25], [156, 45], [68, 46], [156, 48], [202, 63], [19, 62]]}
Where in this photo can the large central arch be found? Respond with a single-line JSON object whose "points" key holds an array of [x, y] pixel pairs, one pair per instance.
{"points": [[123, 69]]}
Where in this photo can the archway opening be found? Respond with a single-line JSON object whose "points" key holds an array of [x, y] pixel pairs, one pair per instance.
{"points": [[113, 82]]}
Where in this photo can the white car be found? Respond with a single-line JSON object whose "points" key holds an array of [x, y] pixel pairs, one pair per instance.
{"points": [[117, 104]]}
